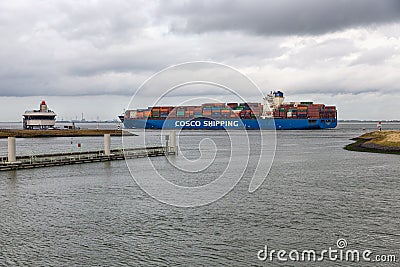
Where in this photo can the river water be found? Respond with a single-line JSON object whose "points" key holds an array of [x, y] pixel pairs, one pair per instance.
{"points": [[97, 215]]}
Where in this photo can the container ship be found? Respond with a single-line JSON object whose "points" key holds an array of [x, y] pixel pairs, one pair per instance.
{"points": [[272, 114]]}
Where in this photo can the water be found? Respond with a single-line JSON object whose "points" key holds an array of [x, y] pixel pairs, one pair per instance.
{"points": [[96, 215]]}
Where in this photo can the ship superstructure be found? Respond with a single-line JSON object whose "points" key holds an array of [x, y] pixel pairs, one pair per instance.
{"points": [[43, 118]]}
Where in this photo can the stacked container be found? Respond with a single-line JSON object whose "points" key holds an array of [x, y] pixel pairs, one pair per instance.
{"points": [[216, 112], [232, 105], [207, 111], [245, 114], [330, 112], [155, 112], [314, 111], [292, 110], [226, 112], [302, 111], [143, 113], [256, 109], [180, 112], [213, 109], [164, 111]]}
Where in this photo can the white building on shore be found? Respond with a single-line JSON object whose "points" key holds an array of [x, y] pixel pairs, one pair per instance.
{"points": [[43, 118]]}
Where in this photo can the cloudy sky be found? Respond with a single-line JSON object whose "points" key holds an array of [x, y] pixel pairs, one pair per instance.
{"points": [[91, 56]]}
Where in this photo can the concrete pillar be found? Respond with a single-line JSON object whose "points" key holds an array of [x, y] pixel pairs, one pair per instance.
{"points": [[107, 144], [12, 155], [172, 142]]}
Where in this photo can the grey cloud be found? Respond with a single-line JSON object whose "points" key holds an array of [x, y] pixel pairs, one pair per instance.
{"points": [[376, 56], [102, 23], [136, 58], [95, 48], [283, 17], [323, 54]]}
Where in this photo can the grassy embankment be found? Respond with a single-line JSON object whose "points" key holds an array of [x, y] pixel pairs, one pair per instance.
{"points": [[58, 133], [377, 142]]}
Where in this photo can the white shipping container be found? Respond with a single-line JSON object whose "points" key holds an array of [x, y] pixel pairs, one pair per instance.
{"points": [[132, 114]]}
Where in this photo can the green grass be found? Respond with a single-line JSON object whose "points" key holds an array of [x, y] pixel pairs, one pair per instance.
{"points": [[383, 140]]}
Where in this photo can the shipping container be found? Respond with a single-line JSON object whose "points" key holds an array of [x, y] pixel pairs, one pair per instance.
{"points": [[214, 105], [232, 105]]}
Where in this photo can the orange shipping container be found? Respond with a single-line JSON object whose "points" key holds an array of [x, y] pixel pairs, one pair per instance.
{"points": [[214, 105]]}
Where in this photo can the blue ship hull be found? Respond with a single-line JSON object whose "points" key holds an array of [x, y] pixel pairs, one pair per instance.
{"points": [[220, 124]]}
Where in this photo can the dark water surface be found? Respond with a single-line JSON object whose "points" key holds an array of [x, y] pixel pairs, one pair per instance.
{"points": [[96, 215]]}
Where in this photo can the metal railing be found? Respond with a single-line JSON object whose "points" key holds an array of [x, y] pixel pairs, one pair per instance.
{"points": [[80, 157]]}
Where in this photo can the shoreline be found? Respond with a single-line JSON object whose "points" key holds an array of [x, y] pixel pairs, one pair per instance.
{"points": [[384, 142], [19, 133]]}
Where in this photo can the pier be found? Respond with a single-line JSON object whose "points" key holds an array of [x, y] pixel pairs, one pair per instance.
{"points": [[49, 160], [13, 162], [59, 159]]}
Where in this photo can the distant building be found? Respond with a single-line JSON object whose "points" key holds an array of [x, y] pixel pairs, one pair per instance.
{"points": [[43, 118]]}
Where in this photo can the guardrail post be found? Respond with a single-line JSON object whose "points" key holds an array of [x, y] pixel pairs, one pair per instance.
{"points": [[172, 143], [107, 144], [12, 156]]}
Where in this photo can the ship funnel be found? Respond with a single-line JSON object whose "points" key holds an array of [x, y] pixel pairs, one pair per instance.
{"points": [[43, 106]]}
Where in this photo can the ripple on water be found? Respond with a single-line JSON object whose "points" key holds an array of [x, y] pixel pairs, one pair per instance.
{"points": [[95, 214]]}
